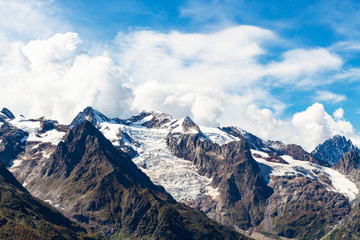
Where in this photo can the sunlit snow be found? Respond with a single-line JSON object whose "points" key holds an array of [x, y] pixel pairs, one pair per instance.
{"points": [[51, 136], [218, 136], [178, 176], [310, 170]]}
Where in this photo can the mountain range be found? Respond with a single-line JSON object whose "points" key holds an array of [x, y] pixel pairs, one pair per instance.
{"points": [[152, 176]]}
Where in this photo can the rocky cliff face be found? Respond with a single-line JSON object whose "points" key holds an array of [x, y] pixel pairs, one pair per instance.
{"points": [[99, 186], [348, 163], [25, 217], [333, 149], [302, 208], [12, 143], [243, 192]]}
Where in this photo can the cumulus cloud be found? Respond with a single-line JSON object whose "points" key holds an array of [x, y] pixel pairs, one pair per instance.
{"points": [[315, 125], [326, 96], [56, 78]]}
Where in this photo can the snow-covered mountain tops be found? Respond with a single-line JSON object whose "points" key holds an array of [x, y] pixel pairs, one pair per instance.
{"points": [[143, 137]]}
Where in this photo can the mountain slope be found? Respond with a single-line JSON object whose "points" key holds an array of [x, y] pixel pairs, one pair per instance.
{"points": [[235, 173], [25, 217], [100, 186]]}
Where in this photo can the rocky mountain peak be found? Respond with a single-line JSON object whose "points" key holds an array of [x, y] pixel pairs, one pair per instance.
{"points": [[7, 113], [333, 149], [90, 114], [185, 125], [150, 119]]}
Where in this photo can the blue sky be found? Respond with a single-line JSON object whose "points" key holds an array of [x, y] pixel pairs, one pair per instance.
{"points": [[271, 67]]}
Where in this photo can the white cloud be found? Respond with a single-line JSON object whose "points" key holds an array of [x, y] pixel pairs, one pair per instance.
{"points": [[326, 96], [216, 78], [56, 78], [300, 65], [339, 114], [315, 125], [29, 19]]}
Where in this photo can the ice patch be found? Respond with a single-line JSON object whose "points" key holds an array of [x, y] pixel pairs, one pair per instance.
{"points": [[52, 136], [111, 131], [25, 125], [16, 163], [177, 126], [144, 120], [46, 154], [218, 136], [310, 170]]}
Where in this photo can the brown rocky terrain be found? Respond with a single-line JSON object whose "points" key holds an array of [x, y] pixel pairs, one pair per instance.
{"points": [[96, 184], [302, 208]]}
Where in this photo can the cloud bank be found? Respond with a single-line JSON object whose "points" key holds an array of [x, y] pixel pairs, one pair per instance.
{"points": [[216, 78]]}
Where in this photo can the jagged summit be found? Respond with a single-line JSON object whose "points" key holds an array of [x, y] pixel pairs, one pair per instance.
{"points": [[274, 148], [185, 125], [90, 114], [333, 149], [7, 113], [150, 119]]}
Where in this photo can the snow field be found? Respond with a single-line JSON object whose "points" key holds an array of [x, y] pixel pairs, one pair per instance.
{"points": [[178, 176], [340, 183]]}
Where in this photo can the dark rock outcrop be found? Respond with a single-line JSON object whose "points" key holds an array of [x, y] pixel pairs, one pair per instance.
{"points": [[7, 113], [12, 142]]}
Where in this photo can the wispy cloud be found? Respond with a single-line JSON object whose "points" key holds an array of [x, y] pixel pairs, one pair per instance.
{"points": [[329, 97]]}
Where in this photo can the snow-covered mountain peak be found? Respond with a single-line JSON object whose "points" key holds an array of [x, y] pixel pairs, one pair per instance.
{"points": [[90, 114], [150, 119], [184, 125]]}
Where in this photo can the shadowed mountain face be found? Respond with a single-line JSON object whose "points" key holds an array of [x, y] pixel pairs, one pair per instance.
{"points": [[25, 217], [11, 143], [99, 186]]}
